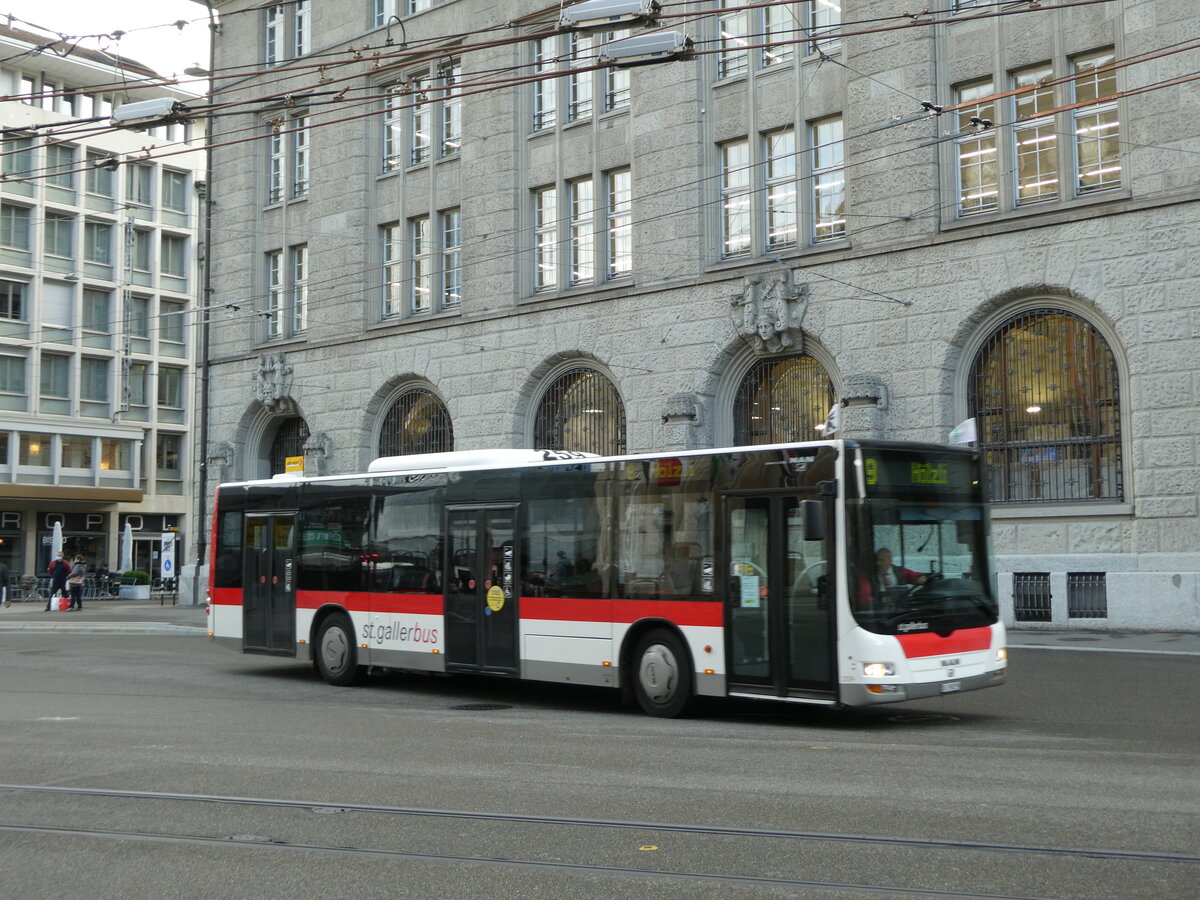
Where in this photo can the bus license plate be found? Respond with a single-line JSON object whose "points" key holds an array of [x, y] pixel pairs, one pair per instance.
{"points": [[949, 686]]}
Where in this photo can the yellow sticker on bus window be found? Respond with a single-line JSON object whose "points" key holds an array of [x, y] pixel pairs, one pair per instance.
{"points": [[495, 598]]}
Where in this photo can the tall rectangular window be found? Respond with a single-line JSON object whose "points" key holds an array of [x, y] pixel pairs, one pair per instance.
{"points": [[825, 20], [273, 35], [142, 250], [581, 232], [393, 129], [1097, 127], [620, 223], [56, 376], [616, 81], [139, 317], [545, 239], [97, 242], [734, 28], [93, 380], [451, 109], [60, 165], [139, 184], [14, 226], [300, 126], [12, 300], [579, 84], [171, 259], [174, 191], [97, 311], [978, 187], [451, 258], [1034, 136], [299, 255], [99, 177], [301, 28], [275, 164], [828, 180], [12, 374], [420, 261], [276, 301], [393, 271], [172, 318], [421, 127], [58, 231], [139, 376], [167, 454], [782, 223], [779, 34], [17, 159], [735, 198], [170, 387], [545, 90]]}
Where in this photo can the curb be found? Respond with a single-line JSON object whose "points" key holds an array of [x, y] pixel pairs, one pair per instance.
{"points": [[105, 628]]}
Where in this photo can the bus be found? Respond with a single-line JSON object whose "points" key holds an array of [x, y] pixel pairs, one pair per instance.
{"points": [[748, 572]]}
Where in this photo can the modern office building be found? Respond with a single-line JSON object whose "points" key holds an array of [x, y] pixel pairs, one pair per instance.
{"points": [[476, 224], [98, 246]]}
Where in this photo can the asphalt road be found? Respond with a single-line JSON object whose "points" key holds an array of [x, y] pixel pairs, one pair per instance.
{"points": [[158, 765]]}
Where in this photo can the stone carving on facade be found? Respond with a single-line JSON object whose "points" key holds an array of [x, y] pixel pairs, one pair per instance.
{"points": [[273, 383], [770, 310], [318, 448], [864, 390], [220, 462], [681, 408]]}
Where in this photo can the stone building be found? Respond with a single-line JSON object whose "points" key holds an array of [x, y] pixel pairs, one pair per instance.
{"points": [[473, 224], [98, 230]]}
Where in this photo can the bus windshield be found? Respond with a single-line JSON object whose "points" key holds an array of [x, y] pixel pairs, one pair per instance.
{"points": [[920, 559]]}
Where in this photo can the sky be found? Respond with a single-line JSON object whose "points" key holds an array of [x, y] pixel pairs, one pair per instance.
{"points": [[168, 50]]}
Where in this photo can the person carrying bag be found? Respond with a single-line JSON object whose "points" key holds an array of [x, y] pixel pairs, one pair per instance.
{"points": [[75, 583]]}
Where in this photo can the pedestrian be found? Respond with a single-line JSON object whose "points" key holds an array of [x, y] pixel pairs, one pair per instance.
{"points": [[103, 577], [59, 569], [4, 576], [75, 583]]}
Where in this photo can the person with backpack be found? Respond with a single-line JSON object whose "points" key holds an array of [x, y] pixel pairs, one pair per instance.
{"points": [[59, 570]]}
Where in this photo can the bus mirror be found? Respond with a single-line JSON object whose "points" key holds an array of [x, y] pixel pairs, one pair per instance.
{"points": [[814, 520]]}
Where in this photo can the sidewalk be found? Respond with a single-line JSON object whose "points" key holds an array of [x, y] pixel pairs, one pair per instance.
{"points": [[107, 616]]}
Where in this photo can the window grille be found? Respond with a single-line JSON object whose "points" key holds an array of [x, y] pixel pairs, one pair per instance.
{"points": [[1087, 595], [581, 411], [1031, 596], [289, 441], [1044, 395], [782, 400], [418, 422]]}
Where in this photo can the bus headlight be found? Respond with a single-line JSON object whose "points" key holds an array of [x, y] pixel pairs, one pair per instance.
{"points": [[878, 670]]}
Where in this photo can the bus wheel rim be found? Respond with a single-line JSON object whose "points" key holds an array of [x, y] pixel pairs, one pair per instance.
{"points": [[334, 649], [659, 673]]}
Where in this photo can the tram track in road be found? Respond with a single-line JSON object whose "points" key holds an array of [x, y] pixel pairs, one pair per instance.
{"points": [[320, 808]]}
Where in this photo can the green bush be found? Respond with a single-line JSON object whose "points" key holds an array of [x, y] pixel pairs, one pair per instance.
{"points": [[136, 576]]}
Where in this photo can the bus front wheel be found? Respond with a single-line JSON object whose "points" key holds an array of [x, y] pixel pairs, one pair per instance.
{"points": [[337, 656], [662, 679]]}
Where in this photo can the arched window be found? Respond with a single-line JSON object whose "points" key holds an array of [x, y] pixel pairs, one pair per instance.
{"points": [[782, 400], [1044, 394], [289, 441], [418, 422], [581, 411]]}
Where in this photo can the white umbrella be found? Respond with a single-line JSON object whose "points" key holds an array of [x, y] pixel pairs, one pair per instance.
{"points": [[126, 550], [56, 540]]}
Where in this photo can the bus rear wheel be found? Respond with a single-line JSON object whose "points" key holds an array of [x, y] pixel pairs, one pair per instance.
{"points": [[337, 656], [662, 677]]}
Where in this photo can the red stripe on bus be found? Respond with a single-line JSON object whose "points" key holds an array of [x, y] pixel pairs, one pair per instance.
{"points": [[930, 644], [582, 609], [430, 604]]}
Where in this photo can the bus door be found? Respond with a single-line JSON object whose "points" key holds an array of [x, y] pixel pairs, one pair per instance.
{"points": [[481, 596], [269, 580], [779, 606]]}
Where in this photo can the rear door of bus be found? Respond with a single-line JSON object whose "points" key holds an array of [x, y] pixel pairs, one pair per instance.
{"points": [[269, 592]]}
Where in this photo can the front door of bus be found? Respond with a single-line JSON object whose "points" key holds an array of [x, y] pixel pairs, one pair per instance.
{"points": [[269, 595], [780, 599], [481, 596]]}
